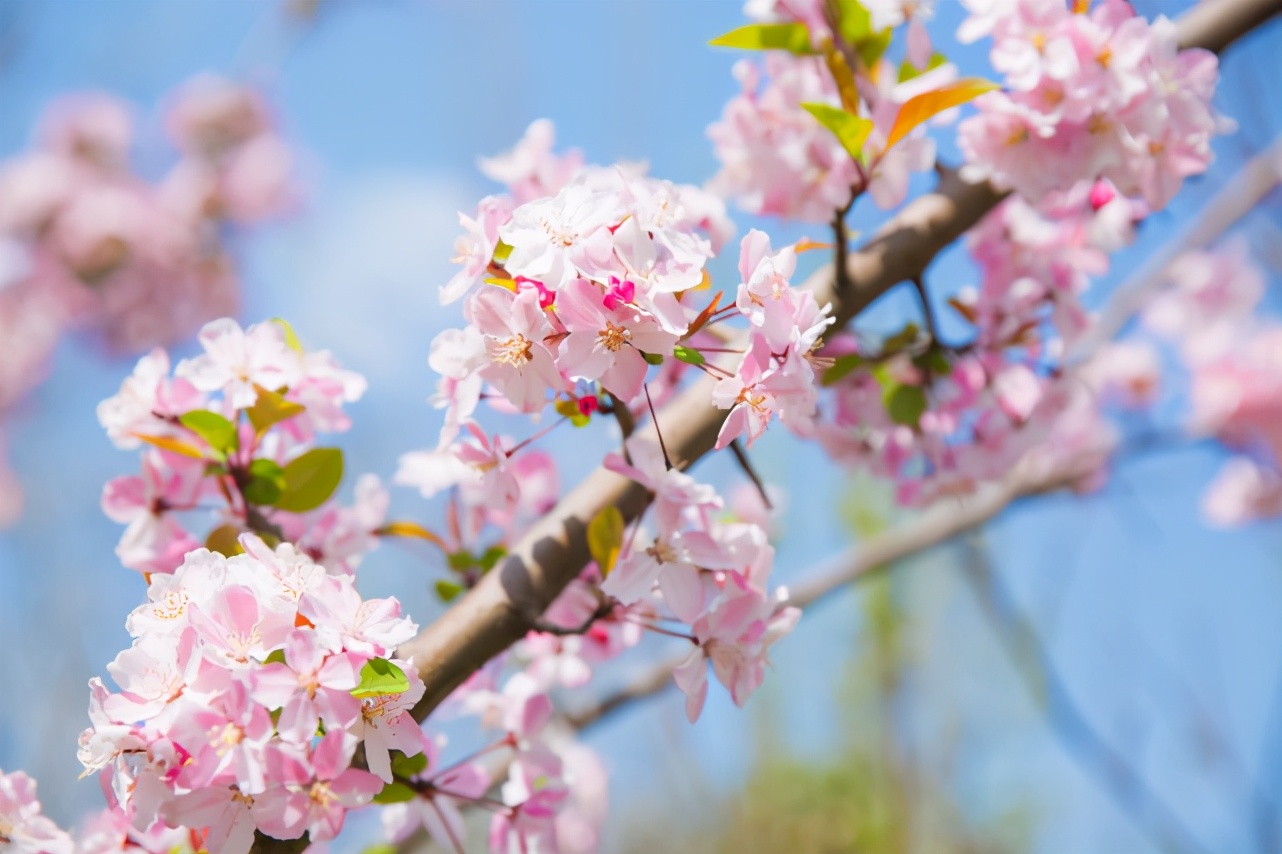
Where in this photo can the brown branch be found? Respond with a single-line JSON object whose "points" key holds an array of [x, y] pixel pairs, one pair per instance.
{"points": [[491, 617], [946, 520]]}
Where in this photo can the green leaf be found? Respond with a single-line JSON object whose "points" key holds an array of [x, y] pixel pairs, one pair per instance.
{"points": [[653, 358], [448, 590], [266, 482], [502, 252], [408, 766], [905, 337], [873, 47], [223, 540], [841, 368], [908, 71], [276, 656], [395, 793], [794, 38], [934, 360], [270, 409], [856, 29], [605, 538], [380, 848], [378, 677], [904, 403], [689, 355], [311, 479], [461, 560], [217, 431], [291, 337], [851, 131], [492, 556]]}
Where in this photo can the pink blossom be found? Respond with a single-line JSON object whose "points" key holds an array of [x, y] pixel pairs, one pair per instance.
{"points": [[607, 343], [530, 170], [1243, 492], [520, 364], [385, 724], [319, 805], [235, 360], [23, 828], [475, 249]]}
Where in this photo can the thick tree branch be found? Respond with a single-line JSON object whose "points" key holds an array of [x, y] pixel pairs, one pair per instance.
{"points": [[947, 519], [492, 616]]}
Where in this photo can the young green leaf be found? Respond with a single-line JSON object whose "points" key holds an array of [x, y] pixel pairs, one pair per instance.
{"points": [[291, 337], [605, 538], [919, 108], [408, 766], [851, 131], [904, 403], [217, 431], [223, 540], [653, 358], [270, 409], [794, 38], [311, 479], [448, 590], [378, 677], [689, 355], [395, 793], [266, 482], [841, 368]]}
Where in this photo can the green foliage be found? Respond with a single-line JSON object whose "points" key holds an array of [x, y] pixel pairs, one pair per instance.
{"points": [[689, 355], [266, 482], [851, 131], [605, 538], [310, 479], [395, 793], [378, 677], [448, 590], [217, 431], [794, 38]]}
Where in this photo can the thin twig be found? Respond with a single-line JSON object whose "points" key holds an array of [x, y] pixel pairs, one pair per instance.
{"points": [[744, 463]]}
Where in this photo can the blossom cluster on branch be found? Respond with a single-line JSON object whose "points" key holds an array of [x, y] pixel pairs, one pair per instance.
{"points": [[89, 244], [264, 698]]}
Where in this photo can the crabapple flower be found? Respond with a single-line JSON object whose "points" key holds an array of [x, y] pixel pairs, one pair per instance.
{"points": [[734, 636], [23, 827], [530, 170], [608, 337], [235, 360]]}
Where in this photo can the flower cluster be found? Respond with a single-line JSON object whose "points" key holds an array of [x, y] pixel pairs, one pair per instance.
{"points": [[250, 684], [938, 419], [85, 243], [777, 158], [234, 430], [23, 827], [1102, 93], [1235, 360]]}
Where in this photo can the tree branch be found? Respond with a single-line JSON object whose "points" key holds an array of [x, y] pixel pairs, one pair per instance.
{"points": [[491, 617]]}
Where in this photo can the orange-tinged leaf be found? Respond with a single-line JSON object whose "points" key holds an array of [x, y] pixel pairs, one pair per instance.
{"points": [[808, 245], [919, 108], [177, 446], [411, 529], [704, 315], [509, 284]]}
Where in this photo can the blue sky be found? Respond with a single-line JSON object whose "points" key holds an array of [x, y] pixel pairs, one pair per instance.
{"points": [[391, 103]]}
